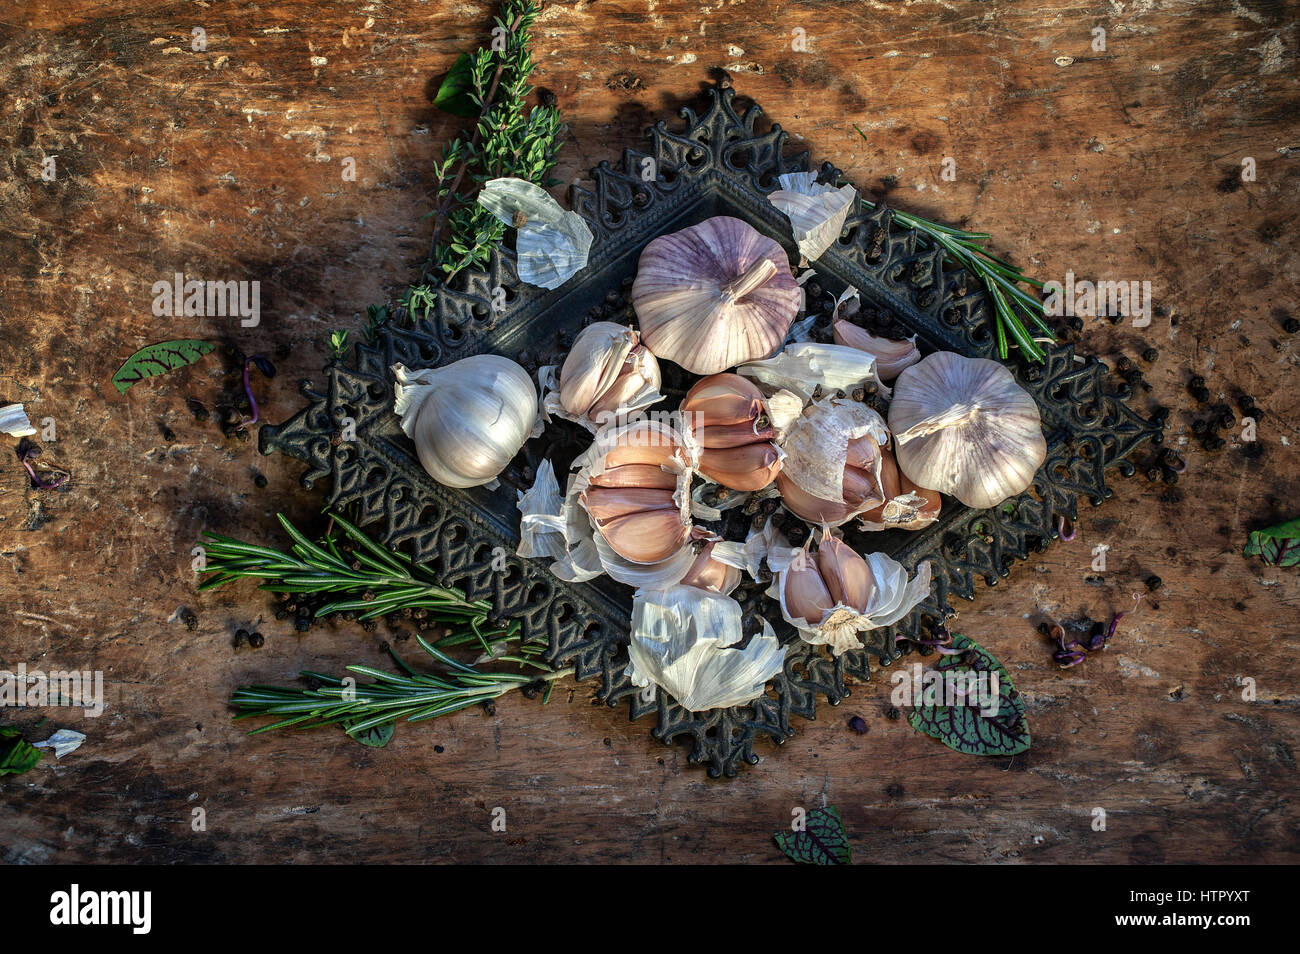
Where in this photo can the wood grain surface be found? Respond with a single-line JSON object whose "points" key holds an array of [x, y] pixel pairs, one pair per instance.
{"points": [[226, 164]]}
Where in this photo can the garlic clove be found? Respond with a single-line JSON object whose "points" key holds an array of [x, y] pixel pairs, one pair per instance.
{"points": [[607, 503], [845, 573], [962, 426], [805, 592], [906, 506], [708, 573], [892, 357], [636, 475], [861, 489], [746, 468], [649, 536], [636, 376], [714, 295], [810, 508], [733, 435], [722, 399]]}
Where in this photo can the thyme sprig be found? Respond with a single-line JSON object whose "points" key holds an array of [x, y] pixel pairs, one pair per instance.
{"points": [[507, 140], [372, 580]]}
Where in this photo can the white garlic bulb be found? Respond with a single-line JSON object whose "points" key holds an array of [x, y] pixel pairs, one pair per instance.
{"points": [[467, 419], [962, 426], [714, 295]]}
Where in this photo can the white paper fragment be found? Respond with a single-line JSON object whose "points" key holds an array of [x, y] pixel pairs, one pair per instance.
{"points": [[679, 642], [805, 365], [551, 244], [62, 742], [14, 422], [816, 211]]}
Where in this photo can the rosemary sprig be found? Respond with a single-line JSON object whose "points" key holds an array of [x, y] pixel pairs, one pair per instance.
{"points": [[408, 695], [506, 140], [372, 580]]}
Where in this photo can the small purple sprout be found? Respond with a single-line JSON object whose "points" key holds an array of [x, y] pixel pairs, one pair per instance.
{"points": [[267, 369], [1064, 528], [27, 451], [1069, 653]]}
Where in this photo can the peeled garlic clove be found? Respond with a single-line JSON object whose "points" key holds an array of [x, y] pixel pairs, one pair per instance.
{"points": [[607, 503], [747, 468], [648, 536], [845, 573], [805, 593], [962, 426], [636, 475], [891, 356], [714, 295], [816, 211], [468, 419]]}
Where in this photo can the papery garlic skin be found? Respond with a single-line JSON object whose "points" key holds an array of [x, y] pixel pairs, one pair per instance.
{"points": [[551, 243], [725, 416], [834, 595], [468, 419], [714, 295], [608, 373], [680, 642], [817, 211], [832, 469], [962, 426], [805, 366], [892, 357]]}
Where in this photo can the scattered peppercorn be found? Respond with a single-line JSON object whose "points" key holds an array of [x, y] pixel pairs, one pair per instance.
{"points": [[1170, 477], [241, 637], [858, 725], [1153, 474], [1291, 326], [256, 640], [189, 619], [302, 624], [1201, 394], [1196, 382], [1150, 355], [259, 480], [1199, 427], [1154, 583], [168, 434], [197, 409]]}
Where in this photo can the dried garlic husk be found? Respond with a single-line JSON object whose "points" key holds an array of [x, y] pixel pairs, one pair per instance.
{"points": [[806, 365], [680, 640], [13, 421], [832, 470], [537, 539], [962, 426], [714, 295], [468, 419], [834, 594], [816, 211], [551, 243], [725, 416], [607, 374], [891, 356], [906, 506]]}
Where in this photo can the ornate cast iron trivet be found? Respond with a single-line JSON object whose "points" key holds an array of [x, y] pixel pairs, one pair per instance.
{"points": [[718, 164]]}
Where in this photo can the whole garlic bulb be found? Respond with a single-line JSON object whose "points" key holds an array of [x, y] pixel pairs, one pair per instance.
{"points": [[726, 416], [714, 295], [962, 426], [607, 370], [468, 419]]}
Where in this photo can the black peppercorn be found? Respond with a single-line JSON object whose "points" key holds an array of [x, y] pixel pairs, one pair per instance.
{"points": [[1201, 394], [1150, 355], [1076, 324], [256, 640], [197, 409], [1124, 365], [1291, 326], [1170, 477], [1199, 427], [1196, 382], [858, 725], [259, 480], [1154, 583], [1226, 419], [241, 637], [168, 434], [1153, 474], [302, 624]]}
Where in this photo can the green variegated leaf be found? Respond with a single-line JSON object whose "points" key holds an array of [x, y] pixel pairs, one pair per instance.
{"points": [[1276, 546], [159, 358], [16, 754], [967, 728], [821, 840]]}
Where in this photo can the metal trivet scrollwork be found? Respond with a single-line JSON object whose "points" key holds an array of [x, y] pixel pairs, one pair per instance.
{"points": [[719, 163]]}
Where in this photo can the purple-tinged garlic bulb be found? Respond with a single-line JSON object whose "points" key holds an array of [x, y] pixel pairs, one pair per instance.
{"points": [[714, 295]]}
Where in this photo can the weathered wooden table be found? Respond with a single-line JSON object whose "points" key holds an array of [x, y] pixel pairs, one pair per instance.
{"points": [[1130, 162]]}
